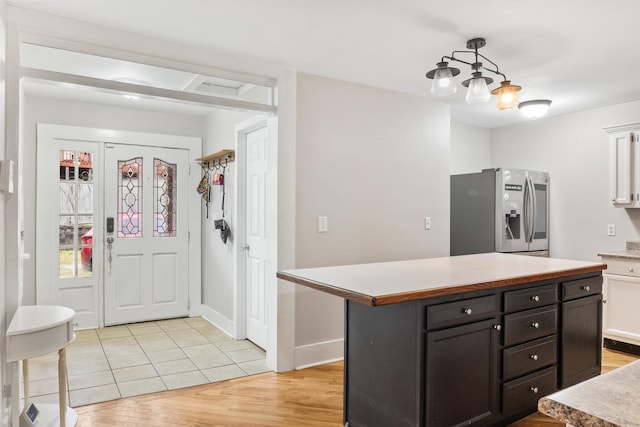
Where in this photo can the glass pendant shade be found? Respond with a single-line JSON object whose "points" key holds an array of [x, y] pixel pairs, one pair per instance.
{"points": [[535, 108], [443, 84], [478, 90], [507, 96]]}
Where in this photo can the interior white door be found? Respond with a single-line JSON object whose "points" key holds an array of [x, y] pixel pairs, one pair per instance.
{"points": [[256, 235], [147, 247]]}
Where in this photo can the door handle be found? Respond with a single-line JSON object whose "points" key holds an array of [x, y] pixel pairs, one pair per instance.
{"points": [[245, 247]]}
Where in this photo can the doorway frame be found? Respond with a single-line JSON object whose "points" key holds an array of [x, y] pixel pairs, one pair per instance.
{"points": [[194, 147]]}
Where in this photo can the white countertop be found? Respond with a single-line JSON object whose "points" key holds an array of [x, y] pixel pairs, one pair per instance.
{"points": [[390, 282]]}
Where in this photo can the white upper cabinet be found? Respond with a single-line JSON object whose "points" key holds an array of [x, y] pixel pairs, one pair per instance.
{"points": [[624, 165]]}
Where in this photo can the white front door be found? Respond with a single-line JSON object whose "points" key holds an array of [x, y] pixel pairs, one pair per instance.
{"points": [[256, 235], [146, 233], [85, 175]]}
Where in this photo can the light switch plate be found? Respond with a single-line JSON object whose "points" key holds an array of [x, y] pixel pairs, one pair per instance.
{"points": [[6, 176], [427, 223], [323, 224]]}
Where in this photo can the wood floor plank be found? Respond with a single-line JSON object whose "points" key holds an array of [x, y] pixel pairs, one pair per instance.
{"points": [[309, 397]]}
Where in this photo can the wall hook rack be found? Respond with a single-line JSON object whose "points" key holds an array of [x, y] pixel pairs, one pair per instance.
{"points": [[216, 160]]}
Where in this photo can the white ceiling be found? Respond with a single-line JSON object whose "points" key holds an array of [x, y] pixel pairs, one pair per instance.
{"points": [[581, 54]]}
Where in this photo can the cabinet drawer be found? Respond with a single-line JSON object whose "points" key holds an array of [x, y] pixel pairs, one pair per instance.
{"points": [[623, 267], [525, 299], [529, 357], [581, 288], [529, 325], [523, 393], [459, 312]]}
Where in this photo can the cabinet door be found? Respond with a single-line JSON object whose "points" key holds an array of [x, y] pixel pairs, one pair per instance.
{"points": [[581, 340], [462, 375], [621, 318], [624, 177]]}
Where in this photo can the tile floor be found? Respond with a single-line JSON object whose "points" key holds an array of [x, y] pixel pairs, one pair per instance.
{"points": [[122, 361]]}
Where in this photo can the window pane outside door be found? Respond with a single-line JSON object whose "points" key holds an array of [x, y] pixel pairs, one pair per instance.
{"points": [[75, 214]]}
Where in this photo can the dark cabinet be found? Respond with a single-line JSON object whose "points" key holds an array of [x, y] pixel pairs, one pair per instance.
{"points": [[462, 375], [479, 358], [581, 333]]}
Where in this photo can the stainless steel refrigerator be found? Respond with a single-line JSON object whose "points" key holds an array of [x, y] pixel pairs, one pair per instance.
{"points": [[500, 210]]}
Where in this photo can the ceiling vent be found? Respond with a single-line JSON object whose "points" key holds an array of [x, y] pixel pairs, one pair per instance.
{"points": [[216, 86]]}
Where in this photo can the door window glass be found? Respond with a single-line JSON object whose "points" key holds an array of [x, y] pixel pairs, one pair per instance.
{"points": [[164, 196], [75, 214], [130, 198]]}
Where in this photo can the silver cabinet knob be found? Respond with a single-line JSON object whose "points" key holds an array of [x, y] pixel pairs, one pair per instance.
{"points": [[536, 298], [587, 288], [534, 356], [534, 390], [535, 325], [630, 269], [466, 311], [497, 327]]}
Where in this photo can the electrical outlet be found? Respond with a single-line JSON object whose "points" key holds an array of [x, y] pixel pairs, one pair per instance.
{"points": [[611, 230], [323, 224], [427, 223]]}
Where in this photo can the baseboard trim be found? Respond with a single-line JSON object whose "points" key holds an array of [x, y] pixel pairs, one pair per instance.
{"points": [[306, 356], [624, 347], [217, 319]]}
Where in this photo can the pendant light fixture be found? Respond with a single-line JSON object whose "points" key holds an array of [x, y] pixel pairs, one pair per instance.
{"points": [[477, 85]]}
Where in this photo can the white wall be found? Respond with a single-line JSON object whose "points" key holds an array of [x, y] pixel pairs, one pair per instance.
{"points": [[4, 322], [573, 148], [218, 262], [74, 113], [470, 148], [375, 162]]}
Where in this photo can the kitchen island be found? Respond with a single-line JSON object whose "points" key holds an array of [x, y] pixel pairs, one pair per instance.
{"points": [[466, 340]]}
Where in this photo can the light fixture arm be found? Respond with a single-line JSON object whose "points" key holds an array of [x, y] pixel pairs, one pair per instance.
{"points": [[474, 65]]}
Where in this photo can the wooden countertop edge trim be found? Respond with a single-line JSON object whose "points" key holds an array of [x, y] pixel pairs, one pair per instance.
{"points": [[343, 293], [436, 292]]}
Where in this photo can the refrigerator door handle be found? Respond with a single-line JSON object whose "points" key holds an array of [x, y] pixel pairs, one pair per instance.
{"points": [[529, 207], [525, 209], [533, 210]]}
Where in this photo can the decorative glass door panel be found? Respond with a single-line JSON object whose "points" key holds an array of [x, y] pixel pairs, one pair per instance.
{"points": [[164, 195], [130, 174]]}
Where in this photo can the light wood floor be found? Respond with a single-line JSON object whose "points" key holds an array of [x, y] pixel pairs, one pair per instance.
{"points": [[309, 397]]}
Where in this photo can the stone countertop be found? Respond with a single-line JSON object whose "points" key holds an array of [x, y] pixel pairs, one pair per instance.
{"points": [[628, 254], [632, 251], [610, 400], [400, 281]]}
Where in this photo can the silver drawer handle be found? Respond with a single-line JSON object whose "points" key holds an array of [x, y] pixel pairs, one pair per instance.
{"points": [[535, 324], [536, 298], [497, 327], [587, 288], [534, 356], [534, 390], [466, 311]]}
